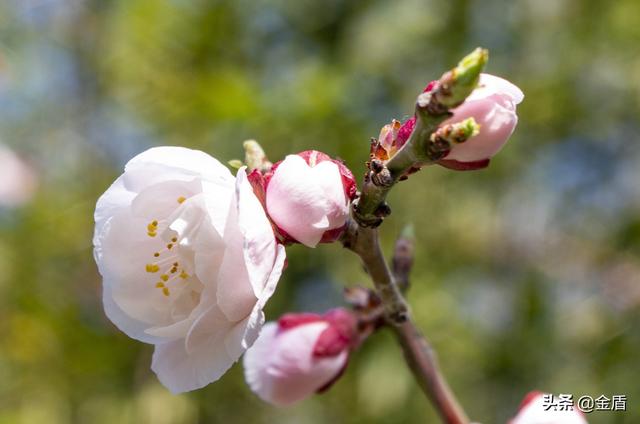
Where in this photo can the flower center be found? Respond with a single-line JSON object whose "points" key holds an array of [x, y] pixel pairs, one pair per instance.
{"points": [[166, 263]]}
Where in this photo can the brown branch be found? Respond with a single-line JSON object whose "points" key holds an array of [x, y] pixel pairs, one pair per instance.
{"points": [[422, 360], [418, 353]]}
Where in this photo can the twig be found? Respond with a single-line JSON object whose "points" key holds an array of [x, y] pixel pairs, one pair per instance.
{"points": [[417, 351], [422, 147]]}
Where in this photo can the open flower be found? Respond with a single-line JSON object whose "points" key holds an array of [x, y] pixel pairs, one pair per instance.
{"points": [[493, 106], [534, 411], [307, 197], [299, 355], [188, 259]]}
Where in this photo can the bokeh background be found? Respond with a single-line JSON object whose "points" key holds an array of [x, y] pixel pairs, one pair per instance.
{"points": [[527, 273]]}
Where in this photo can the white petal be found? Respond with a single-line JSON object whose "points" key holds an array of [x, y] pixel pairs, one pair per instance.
{"points": [[160, 200], [253, 323], [181, 372], [130, 326], [172, 332], [212, 323], [259, 247], [190, 161], [218, 197], [234, 292], [113, 200]]}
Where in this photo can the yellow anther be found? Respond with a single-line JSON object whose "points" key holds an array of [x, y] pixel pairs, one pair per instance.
{"points": [[184, 275], [151, 228], [181, 199], [154, 223], [152, 268], [156, 254], [159, 284], [175, 239], [174, 270], [164, 277], [169, 246], [151, 233], [165, 291]]}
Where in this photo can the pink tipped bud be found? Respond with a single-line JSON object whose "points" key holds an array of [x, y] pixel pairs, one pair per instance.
{"points": [[493, 106], [300, 355], [307, 197], [538, 408]]}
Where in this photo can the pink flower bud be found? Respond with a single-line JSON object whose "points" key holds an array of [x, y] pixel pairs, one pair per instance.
{"points": [[307, 197], [493, 106], [299, 355], [534, 409]]}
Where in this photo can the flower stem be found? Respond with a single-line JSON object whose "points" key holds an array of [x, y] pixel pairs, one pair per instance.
{"points": [[417, 351], [422, 361]]}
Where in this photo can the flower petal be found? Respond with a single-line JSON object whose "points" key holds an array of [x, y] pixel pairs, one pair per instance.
{"points": [[259, 249], [253, 323], [497, 122], [130, 326], [193, 162], [113, 200], [181, 372]]}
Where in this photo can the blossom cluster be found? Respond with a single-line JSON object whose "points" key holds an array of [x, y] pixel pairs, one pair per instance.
{"points": [[190, 254]]}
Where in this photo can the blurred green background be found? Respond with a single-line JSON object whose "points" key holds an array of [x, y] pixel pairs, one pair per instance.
{"points": [[527, 273]]}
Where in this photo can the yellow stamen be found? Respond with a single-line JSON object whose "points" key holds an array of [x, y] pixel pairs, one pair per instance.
{"points": [[151, 233], [175, 239], [184, 275], [159, 284], [181, 199], [152, 268], [165, 291], [169, 246], [164, 277]]}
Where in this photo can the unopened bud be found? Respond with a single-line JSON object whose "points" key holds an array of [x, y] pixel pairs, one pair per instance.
{"points": [[300, 355], [308, 196]]}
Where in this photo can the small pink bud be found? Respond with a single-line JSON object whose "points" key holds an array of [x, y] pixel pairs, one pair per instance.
{"points": [[536, 409], [299, 355], [493, 106], [307, 197]]}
